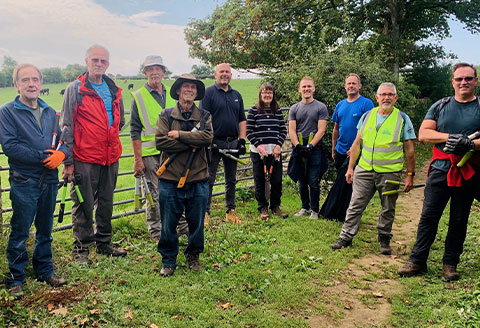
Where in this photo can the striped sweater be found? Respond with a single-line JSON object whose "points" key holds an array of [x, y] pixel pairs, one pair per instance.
{"points": [[265, 129]]}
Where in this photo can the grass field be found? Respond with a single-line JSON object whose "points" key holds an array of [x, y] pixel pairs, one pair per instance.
{"points": [[257, 274]]}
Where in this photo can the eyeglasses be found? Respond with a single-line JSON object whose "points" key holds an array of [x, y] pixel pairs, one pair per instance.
{"points": [[466, 78], [387, 94], [267, 92]]}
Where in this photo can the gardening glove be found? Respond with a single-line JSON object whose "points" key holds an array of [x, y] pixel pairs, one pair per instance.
{"points": [[242, 149], [54, 159], [459, 144]]}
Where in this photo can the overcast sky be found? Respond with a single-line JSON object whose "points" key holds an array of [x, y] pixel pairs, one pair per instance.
{"points": [[55, 33]]}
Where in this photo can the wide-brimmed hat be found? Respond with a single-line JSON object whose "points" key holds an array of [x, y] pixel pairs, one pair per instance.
{"points": [[187, 78], [152, 61]]}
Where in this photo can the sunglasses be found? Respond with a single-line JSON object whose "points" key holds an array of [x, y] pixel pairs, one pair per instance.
{"points": [[466, 78]]}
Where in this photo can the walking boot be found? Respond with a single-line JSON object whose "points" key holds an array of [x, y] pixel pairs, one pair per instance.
{"points": [[279, 212], [109, 250], [412, 269], [264, 214], [193, 262], [450, 272], [206, 220], [341, 243], [231, 216], [385, 248]]}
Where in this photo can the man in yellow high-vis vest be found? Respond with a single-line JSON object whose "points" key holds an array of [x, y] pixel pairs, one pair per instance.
{"points": [[385, 136], [147, 104]]}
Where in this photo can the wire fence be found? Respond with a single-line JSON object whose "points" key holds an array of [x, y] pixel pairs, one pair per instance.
{"points": [[123, 206]]}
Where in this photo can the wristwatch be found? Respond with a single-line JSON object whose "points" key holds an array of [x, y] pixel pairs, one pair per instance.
{"points": [[411, 173]]}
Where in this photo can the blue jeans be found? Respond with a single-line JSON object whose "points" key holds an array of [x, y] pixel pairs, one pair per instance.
{"points": [[309, 185], [192, 198], [30, 202]]}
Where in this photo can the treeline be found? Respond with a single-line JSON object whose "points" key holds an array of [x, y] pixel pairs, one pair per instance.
{"points": [[50, 75]]}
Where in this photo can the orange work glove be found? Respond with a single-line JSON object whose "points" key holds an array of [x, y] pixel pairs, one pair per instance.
{"points": [[53, 160]]}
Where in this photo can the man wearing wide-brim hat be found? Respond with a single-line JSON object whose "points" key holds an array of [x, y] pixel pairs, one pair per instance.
{"points": [[182, 134]]}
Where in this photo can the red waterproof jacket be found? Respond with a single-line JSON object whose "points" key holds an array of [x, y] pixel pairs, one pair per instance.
{"points": [[94, 141]]}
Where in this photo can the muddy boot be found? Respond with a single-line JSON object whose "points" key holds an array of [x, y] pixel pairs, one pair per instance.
{"points": [[450, 272], [385, 248]]}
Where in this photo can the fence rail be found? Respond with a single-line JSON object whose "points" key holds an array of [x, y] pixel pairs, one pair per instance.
{"points": [[243, 174]]}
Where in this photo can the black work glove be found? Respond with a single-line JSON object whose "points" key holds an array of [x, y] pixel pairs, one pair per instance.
{"points": [[242, 150], [458, 144]]}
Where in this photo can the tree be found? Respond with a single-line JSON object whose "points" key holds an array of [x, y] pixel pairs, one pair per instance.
{"points": [[52, 75], [203, 71], [7, 70], [268, 34], [71, 72]]}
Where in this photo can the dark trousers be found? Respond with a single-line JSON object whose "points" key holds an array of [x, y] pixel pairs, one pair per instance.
{"points": [[309, 184], [437, 195], [96, 183], [230, 173], [191, 199], [259, 179], [339, 159]]}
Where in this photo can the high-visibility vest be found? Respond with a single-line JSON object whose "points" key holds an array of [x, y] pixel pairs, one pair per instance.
{"points": [[148, 111], [382, 150]]}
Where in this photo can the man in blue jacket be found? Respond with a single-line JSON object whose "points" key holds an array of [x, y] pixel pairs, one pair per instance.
{"points": [[27, 126]]}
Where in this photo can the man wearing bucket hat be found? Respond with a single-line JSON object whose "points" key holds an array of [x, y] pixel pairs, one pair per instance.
{"points": [[147, 103], [182, 133]]}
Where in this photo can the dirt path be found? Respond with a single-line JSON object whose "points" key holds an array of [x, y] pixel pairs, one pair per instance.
{"points": [[361, 295]]}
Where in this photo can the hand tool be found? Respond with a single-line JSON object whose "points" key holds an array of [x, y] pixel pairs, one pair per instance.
{"points": [[398, 184], [62, 201], [137, 193], [147, 191]]}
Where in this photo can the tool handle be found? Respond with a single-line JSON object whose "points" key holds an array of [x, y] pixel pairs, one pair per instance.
{"points": [[239, 160], [166, 164], [186, 170], [300, 139], [465, 158], [147, 191], [79, 194], [136, 200], [393, 182], [310, 137], [61, 213], [390, 192]]}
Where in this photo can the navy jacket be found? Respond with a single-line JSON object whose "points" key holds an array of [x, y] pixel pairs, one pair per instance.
{"points": [[24, 143]]}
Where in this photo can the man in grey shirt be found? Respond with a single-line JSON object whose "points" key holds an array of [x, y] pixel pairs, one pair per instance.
{"points": [[308, 118]]}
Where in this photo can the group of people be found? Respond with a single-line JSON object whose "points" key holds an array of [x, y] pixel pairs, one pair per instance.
{"points": [[178, 146]]}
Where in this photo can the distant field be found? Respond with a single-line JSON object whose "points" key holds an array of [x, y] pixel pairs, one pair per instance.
{"points": [[247, 88]]}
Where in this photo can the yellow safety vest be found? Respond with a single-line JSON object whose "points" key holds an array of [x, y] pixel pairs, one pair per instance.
{"points": [[148, 111], [382, 150]]}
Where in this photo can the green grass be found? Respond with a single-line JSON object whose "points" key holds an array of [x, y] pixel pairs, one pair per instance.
{"points": [[258, 274]]}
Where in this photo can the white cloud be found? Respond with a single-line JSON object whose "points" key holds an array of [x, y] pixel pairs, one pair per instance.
{"points": [[146, 15], [57, 33]]}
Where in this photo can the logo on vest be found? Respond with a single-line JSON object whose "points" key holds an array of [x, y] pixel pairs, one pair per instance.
{"points": [[387, 132]]}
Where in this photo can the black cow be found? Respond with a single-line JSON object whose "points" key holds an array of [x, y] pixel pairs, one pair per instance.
{"points": [[62, 91], [45, 91], [130, 86]]}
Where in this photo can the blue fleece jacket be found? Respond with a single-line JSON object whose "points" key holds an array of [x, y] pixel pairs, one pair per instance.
{"points": [[24, 142]]}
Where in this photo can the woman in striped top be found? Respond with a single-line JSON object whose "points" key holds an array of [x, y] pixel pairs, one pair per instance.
{"points": [[266, 131]]}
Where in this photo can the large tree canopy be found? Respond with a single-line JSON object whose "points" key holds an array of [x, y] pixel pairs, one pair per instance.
{"points": [[269, 34]]}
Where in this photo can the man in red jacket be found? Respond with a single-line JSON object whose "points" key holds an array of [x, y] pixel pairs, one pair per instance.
{"points": [[93, 115]]}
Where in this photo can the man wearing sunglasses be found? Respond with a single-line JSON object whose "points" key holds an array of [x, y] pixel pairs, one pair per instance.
{"points": [[447, 125], [93, 115]]}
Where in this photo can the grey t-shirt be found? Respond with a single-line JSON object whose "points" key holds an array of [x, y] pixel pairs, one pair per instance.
{"points": [[454, 117], [37, 112], [307, 116]]}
